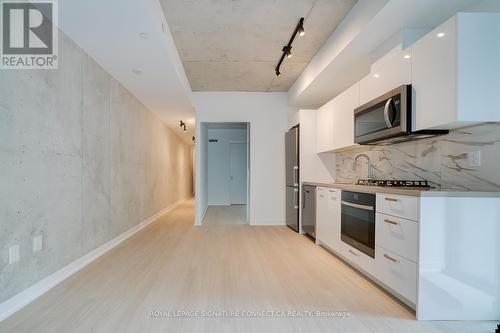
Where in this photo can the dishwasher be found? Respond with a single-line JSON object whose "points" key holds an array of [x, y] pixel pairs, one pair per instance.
{"points": [[309, 210]]}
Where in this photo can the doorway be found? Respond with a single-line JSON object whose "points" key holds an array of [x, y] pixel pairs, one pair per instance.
{"points": [[227, 170]]}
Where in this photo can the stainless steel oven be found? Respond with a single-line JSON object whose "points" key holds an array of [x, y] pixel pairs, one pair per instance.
{"points": [[358, 221]]}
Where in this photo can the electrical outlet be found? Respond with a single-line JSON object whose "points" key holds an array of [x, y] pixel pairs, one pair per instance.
{"points": [[474, 158], [37, 243], [13, 253]]}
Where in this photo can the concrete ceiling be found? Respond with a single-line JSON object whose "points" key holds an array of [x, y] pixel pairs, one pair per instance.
{"points": [[234, 45], [130, 39]]}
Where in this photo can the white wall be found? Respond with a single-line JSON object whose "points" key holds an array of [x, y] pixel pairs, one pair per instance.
{"points": [[267, 114], [219, 173], [201, 173]]}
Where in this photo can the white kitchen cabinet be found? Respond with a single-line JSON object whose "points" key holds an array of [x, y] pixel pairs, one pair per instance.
{"points": [[456, 73], [398, 273], [321, 214], [358, 259], [328, 217], [403, 206], [324, 128], [335, 121], [397, 235], [343, 118], [388, 73]]}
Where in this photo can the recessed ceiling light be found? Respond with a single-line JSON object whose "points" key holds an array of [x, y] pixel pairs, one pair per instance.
{"points": [[441, 34], [136, 71], [376, 75], [144, 35], [407, 56]]}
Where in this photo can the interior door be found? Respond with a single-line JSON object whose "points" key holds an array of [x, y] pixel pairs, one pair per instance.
{"points": [[238, 170]]}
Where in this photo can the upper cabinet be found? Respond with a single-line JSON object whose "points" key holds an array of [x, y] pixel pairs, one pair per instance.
{"points": [[388, 73], [324, 128], [335, 121], [343, 118], [456, 73]]}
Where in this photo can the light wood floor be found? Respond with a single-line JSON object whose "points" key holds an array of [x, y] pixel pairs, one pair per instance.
{"points": [[234, 214], [173, 265]]}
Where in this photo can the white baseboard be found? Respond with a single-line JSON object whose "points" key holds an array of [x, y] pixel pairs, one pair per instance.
{"points": [[17, 302]]}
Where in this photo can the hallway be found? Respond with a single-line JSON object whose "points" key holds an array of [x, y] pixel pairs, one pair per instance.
{"points": [[175, 266], [233, 214]]}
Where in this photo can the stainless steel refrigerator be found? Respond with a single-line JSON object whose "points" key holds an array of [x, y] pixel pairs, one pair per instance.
{"points": [[292, 178]]}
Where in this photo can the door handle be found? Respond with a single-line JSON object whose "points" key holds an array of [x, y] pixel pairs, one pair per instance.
{"points": [[386, 113], [388, 257], [295, 176], [352, 252], [295, 197], [391, 222], [353, 205]]}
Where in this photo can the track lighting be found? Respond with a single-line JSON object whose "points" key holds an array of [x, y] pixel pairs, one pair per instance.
{"points": [[287, 49], [302, 32], [183, 125]]}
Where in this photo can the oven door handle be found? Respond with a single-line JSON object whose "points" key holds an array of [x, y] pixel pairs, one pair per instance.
{"points": [[364, 207]]}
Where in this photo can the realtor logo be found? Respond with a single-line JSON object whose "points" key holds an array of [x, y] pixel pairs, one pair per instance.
{"points": [[29, 34]]}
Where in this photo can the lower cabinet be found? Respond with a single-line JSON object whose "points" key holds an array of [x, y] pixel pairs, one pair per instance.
{"points": [[397, 273], [358, 259], [396, 238], [328, 217]]}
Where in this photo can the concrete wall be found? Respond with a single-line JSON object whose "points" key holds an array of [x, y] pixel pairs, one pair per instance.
{"points": [[81, 161], [267, 114]]}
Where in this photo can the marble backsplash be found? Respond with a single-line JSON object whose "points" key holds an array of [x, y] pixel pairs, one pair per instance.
{"points": [[442, 160]]}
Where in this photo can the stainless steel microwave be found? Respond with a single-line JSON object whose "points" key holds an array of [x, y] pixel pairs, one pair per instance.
{"points": [[388, 119]]}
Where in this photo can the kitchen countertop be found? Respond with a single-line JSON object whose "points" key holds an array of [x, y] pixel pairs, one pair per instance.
{"points": [[409, 191]]}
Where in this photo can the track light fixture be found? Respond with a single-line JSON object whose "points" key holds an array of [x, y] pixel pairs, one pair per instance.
{"points": [[287, 49], [183, 125]]}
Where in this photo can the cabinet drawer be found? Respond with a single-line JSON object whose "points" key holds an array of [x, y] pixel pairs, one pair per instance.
{"points": [[398, 205], [397, 234], [358, 258], [397, 273]]}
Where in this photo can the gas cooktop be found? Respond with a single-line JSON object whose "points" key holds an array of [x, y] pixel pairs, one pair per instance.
{"points": [[394, 183]]}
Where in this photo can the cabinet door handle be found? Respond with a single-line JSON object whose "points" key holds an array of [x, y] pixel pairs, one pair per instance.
{"points": [[391, 222], [351, 251], [388, 257], [391, 199]]}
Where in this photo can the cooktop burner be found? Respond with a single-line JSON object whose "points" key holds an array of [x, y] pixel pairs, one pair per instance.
{"points": [[394, 183]]}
